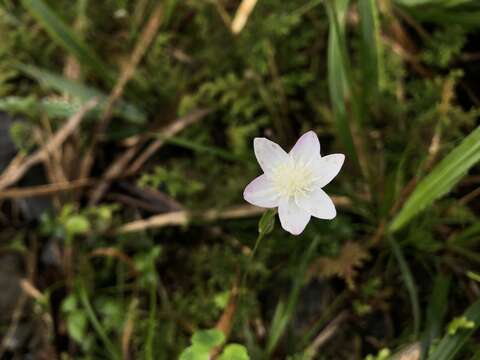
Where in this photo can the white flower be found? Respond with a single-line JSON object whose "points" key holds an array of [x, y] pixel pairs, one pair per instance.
{"points": [[293, 182]]}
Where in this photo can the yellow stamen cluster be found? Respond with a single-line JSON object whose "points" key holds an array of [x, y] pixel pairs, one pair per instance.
{"points": [[293, 178]]}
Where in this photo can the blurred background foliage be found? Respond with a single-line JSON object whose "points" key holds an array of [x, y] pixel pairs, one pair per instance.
{"points": [[128, 237]]}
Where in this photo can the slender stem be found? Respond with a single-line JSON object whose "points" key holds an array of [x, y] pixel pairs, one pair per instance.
{"points": [[151, 323], [96, 323], [250, 259]]}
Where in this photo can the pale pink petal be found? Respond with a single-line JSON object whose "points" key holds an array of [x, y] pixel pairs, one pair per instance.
{"points": [[307, 148], [269, 154], [326, 168], [292, 218], [317, 203], [260, 192]]}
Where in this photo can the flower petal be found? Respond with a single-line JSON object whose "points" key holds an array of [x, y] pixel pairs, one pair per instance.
{"points": [[327, 167], [317, 203], [293, 218], [260, 192], [269, 154], [307, 148]]}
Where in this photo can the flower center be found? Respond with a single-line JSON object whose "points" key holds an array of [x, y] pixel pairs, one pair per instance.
{"points": [[293, 178]]}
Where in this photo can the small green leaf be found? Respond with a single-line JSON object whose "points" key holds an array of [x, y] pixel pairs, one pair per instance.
{"points": [[234, 352], [208, 338], [76, 325], [70, 303], [459, 323], [77, 224], [267, 222], [195, 352]]}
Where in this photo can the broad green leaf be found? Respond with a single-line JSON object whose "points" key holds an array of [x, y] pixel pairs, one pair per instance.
{"points": [[441, 180], [450, 345], [81, 92], [65, 37]]}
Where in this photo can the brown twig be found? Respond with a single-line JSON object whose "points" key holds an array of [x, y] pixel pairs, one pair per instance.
{"points": [[117, 254], [119, 165], [227, 20], [225, 322], [115, 169], [171, 130], [325, 334], [31, 264], [20, 165], [128, 329], [141, 47], [47, 189]]}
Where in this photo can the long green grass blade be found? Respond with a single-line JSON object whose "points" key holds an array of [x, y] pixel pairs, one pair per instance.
{"points": [[437, 309], [409, 284], [337, 74], [450, 345], [371, 48], [441, 180], [65, 37], [435, 3], [285, 311], [81, 92]]}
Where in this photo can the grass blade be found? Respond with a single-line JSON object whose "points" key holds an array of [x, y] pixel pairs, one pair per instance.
{"points": [[337, 75], [441, 180], [409, 284], [284, 312], [437, 309], [450, 345], [371, 48], [65, 37]]}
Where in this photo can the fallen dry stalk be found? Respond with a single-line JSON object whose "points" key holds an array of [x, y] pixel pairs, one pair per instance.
{"points": [[178, 218], [119, 165], [20, 165], [243, 13], [169, 131], [325, 334]]}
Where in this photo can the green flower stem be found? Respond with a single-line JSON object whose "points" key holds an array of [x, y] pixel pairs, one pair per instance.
{"points": [[250, 259]]}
